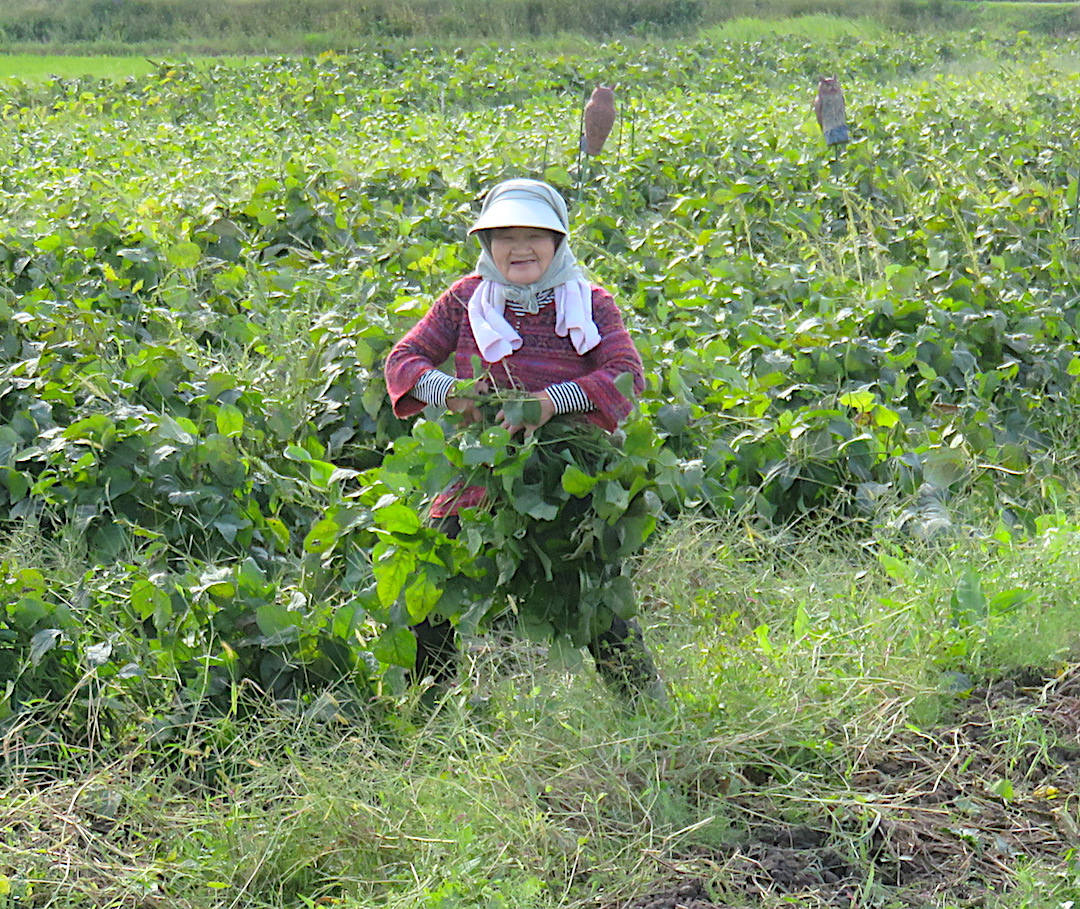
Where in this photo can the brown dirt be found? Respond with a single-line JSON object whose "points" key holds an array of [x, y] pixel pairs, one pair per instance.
{"points": [[926, 817]]}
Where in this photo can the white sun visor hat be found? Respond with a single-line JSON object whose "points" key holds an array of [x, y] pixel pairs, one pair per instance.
{"points": [[522, 203]]}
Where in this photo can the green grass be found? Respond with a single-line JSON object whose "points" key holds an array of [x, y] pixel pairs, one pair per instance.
{"points": [[794, 666], [819, 26], [40, 68]]}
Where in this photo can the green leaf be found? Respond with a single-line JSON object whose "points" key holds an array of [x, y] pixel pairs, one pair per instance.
{"points": [[619, 597], [296, 453], [1006, 601], [624, 383], [280, 533], [51, 243], [801, 625], [230, 420], [421, 596], [563, 656], [322, 537], [479, 455], [762, 635], [531, 503], [897, 569], [558, 176], [224, 461], [674, 418], [392, 568], [396, 647], [163, 613], [885, 417], [514, 412], [373, 398], [576, 482], [398, 518], [91, 428], [613, 494], [531, 412], [640, 439], [41, 643], [17, 484], [937, 260], [321, 473], [29, 611], [535, 628], [146, 598], [431, 436], [179, 430], [860, 400], [942, 467], [228, 527], [275, 618], [347, 619], [184, 254]]}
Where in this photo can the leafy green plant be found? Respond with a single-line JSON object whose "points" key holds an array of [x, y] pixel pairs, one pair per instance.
{"points": [[563, 513]]}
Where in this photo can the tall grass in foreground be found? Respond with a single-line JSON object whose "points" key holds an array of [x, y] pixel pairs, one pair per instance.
{"points": [[791, 663]]}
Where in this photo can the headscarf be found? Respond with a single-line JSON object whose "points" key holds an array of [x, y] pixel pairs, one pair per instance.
{"points": [[541, 205]]}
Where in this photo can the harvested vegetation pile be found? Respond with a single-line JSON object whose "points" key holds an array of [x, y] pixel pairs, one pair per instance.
{"points": [[933, 813]]}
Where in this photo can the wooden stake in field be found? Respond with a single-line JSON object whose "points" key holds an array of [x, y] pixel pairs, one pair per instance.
{"points": [[830, 111]]}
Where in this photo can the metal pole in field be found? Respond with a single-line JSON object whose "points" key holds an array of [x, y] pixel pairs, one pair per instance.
{"points": [[1075, 209], [581, 146]]}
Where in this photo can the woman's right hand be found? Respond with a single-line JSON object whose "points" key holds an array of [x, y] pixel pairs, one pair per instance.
{"points": [[469, 408]]}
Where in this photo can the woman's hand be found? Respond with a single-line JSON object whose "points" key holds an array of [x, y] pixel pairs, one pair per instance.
{"points": [[469, 408], [466, 407], [547, 411]]}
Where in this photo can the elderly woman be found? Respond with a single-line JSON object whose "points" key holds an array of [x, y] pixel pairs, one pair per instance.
{"points": [[538, 325]]}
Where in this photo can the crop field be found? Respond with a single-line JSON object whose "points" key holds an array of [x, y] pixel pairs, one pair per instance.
{"points": [[848, 490]]}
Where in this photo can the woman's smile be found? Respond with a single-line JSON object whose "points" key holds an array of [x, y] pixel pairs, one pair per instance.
{"points": [[522, 254]]}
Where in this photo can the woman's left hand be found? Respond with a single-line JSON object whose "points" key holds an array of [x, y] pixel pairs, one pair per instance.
{"points": [[547, 411]]}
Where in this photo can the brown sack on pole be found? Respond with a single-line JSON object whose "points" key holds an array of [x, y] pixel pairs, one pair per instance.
{"points": [[599, 118], [831, 114]]}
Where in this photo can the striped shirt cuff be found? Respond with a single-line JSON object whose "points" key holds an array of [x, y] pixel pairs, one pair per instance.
{"points": [[568, 397], [433, 387]]}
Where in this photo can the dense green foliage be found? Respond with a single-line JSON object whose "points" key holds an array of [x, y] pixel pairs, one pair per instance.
{"points": [[202, 270]]}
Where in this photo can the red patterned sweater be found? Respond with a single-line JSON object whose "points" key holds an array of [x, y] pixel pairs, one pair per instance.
{"points": [[543, 359]]}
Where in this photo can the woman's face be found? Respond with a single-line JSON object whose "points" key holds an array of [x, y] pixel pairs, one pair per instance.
{"points": [[522, 254]]}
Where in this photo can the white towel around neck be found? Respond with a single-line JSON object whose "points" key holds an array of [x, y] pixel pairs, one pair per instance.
{"points": [[497, 339]]}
